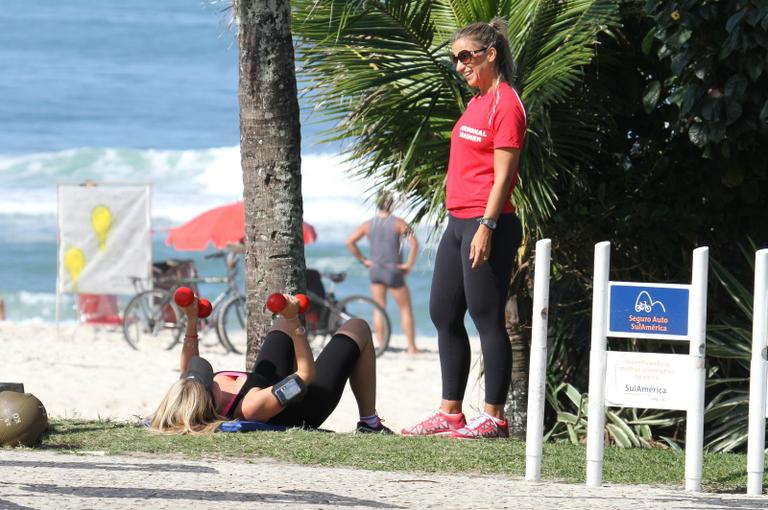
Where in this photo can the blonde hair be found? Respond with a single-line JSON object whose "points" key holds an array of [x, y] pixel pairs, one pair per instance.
{"points": [[187, 408], [492, 35]]}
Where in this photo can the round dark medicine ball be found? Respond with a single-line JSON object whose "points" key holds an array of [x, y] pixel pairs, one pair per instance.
{"points": [[22, 419]]}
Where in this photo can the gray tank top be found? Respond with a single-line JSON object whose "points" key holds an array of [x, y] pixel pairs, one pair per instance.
{"points": [[385, 242]]}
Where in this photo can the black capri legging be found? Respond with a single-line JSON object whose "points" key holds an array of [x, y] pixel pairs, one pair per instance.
{"points": [[456, 288], [333, 366]]}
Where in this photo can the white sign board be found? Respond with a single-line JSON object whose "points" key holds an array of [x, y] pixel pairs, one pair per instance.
{"points": [[104, 237], [648, 380]]}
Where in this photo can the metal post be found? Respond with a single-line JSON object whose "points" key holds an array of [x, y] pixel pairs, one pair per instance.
{"points": [[537, 380], [694, 430], [758, 374], [596, 410], [58, 259]]}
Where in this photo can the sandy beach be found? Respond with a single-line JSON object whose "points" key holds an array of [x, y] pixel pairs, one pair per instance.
{"points": [[80, 371]]}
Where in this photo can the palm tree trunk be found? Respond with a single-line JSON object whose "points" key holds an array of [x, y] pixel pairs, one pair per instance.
{"points": [[270, 147], [518, 312], [516, 408]]}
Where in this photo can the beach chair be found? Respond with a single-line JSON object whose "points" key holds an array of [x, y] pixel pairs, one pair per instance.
{"points": [[167, 273], [317, 315], [98, 310]]}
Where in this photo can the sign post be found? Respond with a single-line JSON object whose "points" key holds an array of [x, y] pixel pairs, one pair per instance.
{"points": [[537, 381], [758, 374], [694, 419], [648, 380], [597, 355]]}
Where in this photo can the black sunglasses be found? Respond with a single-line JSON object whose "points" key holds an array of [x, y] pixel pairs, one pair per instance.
{"points": [[465, 56]]}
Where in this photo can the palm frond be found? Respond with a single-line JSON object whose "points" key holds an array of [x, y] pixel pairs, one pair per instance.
{"points": [[379, 70]]}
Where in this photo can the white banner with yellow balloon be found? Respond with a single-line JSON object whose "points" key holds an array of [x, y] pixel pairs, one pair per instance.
{"points": [[105, 237]]}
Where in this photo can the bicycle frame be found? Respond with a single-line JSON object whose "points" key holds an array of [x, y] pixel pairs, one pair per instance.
{"points": [[334, 311], [171, 284], [232, 289], [327, 304]]}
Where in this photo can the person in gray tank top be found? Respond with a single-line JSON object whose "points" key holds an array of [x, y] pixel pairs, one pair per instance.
{"points": [[385, 233]]}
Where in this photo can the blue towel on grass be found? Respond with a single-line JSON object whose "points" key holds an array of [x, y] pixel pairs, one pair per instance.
{"points": [[249, 426], [242, 426]]}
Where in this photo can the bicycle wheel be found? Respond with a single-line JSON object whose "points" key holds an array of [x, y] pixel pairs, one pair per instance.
{"points": [[371, 312], [153, 321], [230, 324]]}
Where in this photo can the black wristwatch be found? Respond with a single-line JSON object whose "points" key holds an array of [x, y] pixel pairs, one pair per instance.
{"points": [[488, 222]]}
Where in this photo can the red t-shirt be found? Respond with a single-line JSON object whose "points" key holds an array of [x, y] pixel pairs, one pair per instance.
{"points": [[494, 121]]}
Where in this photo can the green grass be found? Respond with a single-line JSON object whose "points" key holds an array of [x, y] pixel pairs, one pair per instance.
{"points": [[561, 462]]}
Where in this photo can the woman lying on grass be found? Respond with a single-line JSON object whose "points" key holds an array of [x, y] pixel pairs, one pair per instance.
{"points": [[286, 387]]}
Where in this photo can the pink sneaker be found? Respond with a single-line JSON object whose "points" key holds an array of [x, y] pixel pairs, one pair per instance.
{"points": [[436, 424], [484, 426]]}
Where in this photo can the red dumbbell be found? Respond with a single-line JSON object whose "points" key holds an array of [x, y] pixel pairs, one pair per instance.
{"points": [[204, 308], [185, 297], [303, 302], [276, 302]]}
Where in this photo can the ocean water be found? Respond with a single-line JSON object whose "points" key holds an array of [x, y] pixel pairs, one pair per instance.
{"points": [[143, 91]]}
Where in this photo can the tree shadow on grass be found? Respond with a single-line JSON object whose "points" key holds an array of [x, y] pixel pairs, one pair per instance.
{"points": [[88, 426], [735, 480], [57, 437]]}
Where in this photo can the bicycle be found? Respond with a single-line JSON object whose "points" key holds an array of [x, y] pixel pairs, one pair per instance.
{"points": [[323, 318], [327, 313], [231, 324], [152, 319]]}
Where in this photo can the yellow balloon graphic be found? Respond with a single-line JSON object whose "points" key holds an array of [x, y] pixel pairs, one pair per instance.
{"points": [[74, 262], [101, 221]]}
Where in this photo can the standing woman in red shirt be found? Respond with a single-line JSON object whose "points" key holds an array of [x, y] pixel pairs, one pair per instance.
{"points": [[474, 260]]}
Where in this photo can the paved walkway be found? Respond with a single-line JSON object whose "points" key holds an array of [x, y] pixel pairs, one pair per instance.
{"points": [[42, 480]]}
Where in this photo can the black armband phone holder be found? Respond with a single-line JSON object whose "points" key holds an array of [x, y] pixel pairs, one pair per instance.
{"points": [[290, 389]]}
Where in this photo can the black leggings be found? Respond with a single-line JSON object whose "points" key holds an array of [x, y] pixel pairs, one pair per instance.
{"points": [[333, 366], [457, 287]]}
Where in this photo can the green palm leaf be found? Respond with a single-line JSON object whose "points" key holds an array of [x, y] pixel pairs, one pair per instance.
{"points": [[380, 71]]}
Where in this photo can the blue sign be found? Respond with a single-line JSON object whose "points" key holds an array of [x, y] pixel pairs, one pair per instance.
{"points": [[645, 310]]}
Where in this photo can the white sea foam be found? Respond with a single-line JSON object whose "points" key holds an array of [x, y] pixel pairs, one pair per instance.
{"points": [[36, 298], [336, 264], [184, 183]]}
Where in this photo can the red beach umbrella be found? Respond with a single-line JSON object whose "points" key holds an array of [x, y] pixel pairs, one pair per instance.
{"points": [[309, 234], [219, 226]]}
